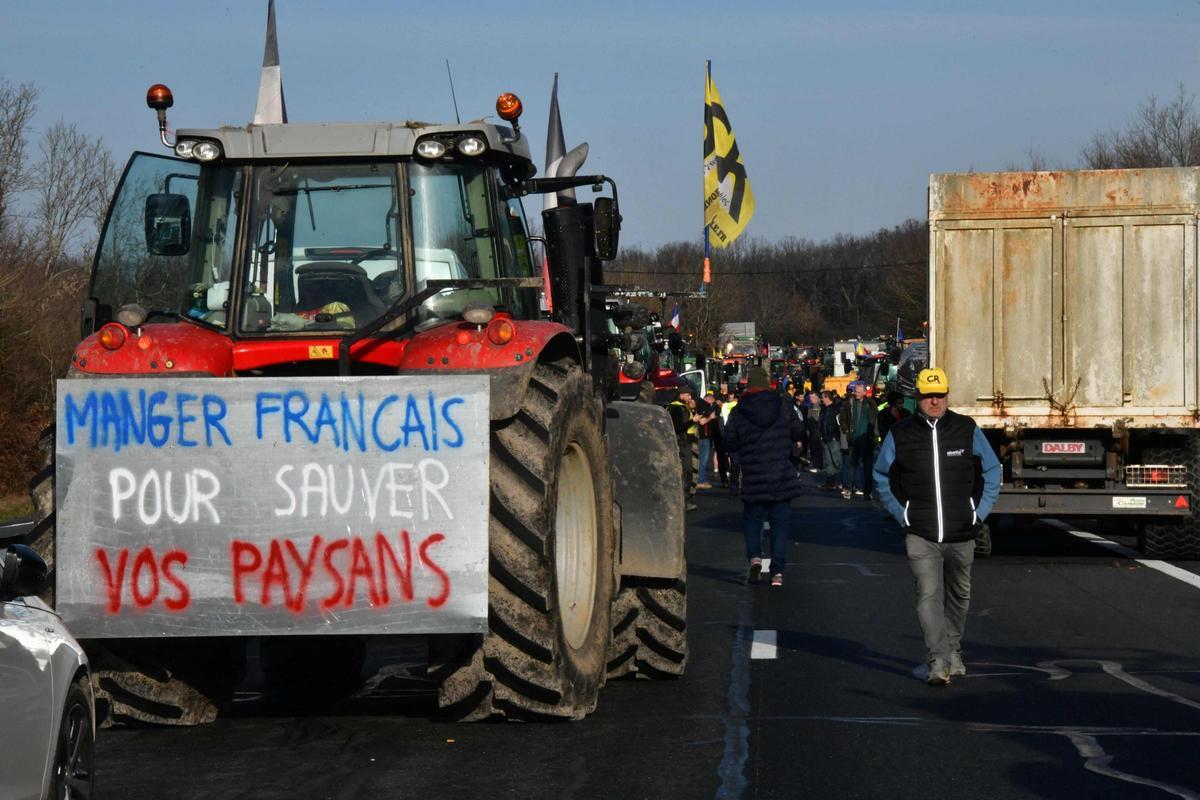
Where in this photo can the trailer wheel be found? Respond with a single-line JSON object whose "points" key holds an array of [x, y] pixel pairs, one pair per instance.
{"points": [[551, 565], [1173, 537], [650, 629]]}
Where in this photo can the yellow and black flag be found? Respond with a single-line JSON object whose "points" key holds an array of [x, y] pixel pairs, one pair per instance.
{"points": [[728, 200]]}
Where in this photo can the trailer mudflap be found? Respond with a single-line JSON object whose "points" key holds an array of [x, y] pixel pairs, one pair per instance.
{"points": [[648, 488], [1045, 501]]}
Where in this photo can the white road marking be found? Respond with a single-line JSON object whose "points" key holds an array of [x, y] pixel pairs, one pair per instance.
{"points": [[1190, 578], [764, 646], [732, 768]]}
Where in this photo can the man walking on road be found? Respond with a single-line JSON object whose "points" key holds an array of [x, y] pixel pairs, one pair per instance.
{"points": [[761, 432], [939, 477], [858, 423]]}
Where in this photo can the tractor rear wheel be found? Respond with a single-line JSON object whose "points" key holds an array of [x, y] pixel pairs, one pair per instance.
{"points": [[551, 563], [650, 629]]}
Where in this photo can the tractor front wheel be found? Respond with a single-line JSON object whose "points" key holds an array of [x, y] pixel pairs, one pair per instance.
{"points": [[551, 563]]}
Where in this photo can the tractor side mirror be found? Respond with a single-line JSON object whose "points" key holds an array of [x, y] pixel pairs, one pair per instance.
{"points": [[606, 217], [168, 224], [22, 572]]}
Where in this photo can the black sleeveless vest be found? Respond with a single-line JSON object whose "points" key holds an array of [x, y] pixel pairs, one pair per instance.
{"points": [[936, 477]]}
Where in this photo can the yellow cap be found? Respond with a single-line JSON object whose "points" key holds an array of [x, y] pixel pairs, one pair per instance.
{"points": [[932, 381]]}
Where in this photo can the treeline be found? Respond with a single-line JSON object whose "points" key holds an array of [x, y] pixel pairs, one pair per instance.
{"points": [[795, 290], [54, 189], [53, 197]]}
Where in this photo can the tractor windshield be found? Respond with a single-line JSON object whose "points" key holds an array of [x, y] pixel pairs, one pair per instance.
{"points": [[168, 241], [327, 252], [324, 246]]}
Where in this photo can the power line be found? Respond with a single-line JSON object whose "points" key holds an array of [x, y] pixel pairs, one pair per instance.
{"points": [[811, 271]]}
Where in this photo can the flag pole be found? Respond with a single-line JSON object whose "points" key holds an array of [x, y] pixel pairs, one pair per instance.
{"points": [[707, 276]]}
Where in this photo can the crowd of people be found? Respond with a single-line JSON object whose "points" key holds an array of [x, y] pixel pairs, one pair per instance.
{"points": [[935, 473], [839, 436]]}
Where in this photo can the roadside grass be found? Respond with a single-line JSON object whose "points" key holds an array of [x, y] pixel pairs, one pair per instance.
{"points": [[15, 506]]}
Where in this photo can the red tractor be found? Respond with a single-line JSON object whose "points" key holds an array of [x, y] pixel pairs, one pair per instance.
{"points": [[288, 318]]}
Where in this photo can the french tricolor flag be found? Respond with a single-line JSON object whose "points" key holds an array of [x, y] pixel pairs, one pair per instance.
{"points": [[675, 318]]}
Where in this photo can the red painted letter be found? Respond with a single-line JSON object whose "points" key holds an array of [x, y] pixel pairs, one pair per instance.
{"points": [[423, 552], [185, 597], [384, 554], [144, 560], [242, 566], [360, 566], [336, 594], [112, 584], [306, 569], [276, 572]]}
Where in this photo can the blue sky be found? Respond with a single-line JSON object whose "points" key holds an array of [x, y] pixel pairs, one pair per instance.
{"points": [[841, 109]]}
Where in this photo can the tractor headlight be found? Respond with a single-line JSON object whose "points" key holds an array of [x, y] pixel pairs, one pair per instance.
{"points": [[471, 146], [206, 151], [184, 149], [431, 148]]}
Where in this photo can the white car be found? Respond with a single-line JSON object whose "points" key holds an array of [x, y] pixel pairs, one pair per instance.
{"points": [[47, 710]]}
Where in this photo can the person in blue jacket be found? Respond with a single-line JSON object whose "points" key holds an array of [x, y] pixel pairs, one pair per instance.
{"points": [[762, 431], [939, 477]]}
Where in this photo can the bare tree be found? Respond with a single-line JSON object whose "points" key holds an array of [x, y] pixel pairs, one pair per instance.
{"points": [[1158, 135], [17, 106], [73, 173]]}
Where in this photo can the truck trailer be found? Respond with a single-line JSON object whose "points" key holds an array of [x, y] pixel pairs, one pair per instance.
{"points": [[1063, 306]]}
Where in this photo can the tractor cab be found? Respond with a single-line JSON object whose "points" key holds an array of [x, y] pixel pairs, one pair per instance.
{"points": [[291, 232]]}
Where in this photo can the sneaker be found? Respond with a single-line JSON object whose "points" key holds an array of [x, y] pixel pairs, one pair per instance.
{"points": [[858, 493], [691, 506], [845, 494], [755, 570], [703, 485], [813, 470], [957, 667], [939, 673], [777, 579]]}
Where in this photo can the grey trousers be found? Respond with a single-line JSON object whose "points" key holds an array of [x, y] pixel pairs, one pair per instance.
{"points": [[943, 578]]}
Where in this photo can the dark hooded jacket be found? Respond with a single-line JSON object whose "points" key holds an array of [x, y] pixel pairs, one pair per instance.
{"points": [[760, 432]]}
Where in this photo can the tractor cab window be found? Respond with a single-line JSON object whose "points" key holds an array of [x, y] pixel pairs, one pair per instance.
{"points": [[168, 241], [458, 235], [324, 250]]}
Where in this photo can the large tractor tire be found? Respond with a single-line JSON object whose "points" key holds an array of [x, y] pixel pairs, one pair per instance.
{"points": [[165, 682], [41, 492], [1174, 537], [650, 629], [551, 565]]}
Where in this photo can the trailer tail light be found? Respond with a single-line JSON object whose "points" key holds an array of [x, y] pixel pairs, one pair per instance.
{"points": [[1149, 475], [1182, 502], [501, 331], [111, 336]]}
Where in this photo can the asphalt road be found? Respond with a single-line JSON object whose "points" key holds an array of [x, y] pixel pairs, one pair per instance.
{"points": [[1084, 681]]}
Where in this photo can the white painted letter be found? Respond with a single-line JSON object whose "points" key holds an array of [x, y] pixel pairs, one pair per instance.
{"points": [[199, 497], [123, 484], [291, 509], [430, 488], [308, 486], [151, 477]]}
